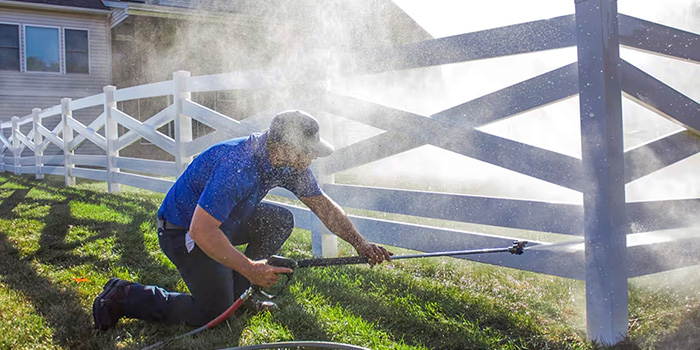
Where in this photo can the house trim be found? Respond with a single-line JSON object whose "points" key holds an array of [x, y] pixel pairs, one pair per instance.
{"points": [[36, 6]]}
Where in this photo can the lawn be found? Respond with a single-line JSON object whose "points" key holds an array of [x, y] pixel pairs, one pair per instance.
{"points": [[59, 245]]}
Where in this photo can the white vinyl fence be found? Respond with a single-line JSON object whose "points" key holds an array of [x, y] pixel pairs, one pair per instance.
{"points": [[155, 175]]}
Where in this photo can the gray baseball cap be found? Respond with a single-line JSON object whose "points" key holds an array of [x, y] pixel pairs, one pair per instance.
{"points": [[299, 129]]}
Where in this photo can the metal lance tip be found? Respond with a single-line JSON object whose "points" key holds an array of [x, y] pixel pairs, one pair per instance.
{"points": [[517, 248]]}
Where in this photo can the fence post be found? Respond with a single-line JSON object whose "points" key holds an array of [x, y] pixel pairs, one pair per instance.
{"points": [[3, 147], [15, 145], [183, 123], [603, 169], [111, 135], [38, 140], [66, 113], [323, 242]]}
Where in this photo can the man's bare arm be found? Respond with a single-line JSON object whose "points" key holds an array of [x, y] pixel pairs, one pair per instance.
{"points": [[338, 222], [205, 232]]}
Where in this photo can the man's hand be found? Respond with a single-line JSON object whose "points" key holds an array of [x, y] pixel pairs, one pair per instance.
{"points": [[375, 253], [261, 274]]}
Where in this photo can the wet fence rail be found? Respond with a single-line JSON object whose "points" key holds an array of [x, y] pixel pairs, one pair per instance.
{"points": [[25, 139]]}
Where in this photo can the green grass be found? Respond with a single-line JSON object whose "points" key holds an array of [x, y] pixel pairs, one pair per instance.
{"points": [[50, 234]]}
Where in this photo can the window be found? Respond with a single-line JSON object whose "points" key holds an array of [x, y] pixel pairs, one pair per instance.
{"points": [[37, 48], [9, 47], [42, 49], [77, 58]]}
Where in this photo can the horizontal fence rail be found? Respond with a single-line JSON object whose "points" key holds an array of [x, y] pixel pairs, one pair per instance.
{"points": [[504, 212], [529, 37]]}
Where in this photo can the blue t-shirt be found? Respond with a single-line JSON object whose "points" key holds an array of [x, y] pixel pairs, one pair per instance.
{"points": [[228, 180]]}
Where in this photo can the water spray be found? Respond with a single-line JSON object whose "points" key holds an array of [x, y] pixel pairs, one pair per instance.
{"points": [[517, 248]]}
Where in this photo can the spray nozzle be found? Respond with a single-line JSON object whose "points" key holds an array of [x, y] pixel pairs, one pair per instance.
{"points": [[517, 247]]}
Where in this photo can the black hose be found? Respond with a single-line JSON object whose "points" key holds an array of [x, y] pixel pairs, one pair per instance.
{"points": [[299, 344]]}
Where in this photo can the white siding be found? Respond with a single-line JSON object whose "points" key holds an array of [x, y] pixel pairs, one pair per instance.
{"points": [[21, 91]]}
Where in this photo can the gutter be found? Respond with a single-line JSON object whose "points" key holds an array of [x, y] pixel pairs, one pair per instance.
{"points": [[49, 7], [189, 14]]}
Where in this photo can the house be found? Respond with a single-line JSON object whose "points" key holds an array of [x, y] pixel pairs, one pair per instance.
{"points": [[50, 50], [73, 48]]}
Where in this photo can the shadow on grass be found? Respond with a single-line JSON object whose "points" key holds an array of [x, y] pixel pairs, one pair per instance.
{"points": [[63, 309], [422, 316], [58, 306], [687, 335], [304, 325]]}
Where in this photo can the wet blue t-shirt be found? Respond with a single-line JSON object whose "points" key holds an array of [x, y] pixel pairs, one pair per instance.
{"points": [[228, 180]]}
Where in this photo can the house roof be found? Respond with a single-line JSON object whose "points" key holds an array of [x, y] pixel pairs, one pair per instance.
{"points": [[88, 4]]}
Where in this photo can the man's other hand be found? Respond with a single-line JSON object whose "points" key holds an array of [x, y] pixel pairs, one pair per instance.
{"points": [[375, 253]]}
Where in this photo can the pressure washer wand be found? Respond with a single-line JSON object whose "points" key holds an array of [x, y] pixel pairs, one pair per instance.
{"points": [[516, 248]]}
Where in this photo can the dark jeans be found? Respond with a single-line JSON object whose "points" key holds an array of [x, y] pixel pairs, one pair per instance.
{"points": [[213, 287]]}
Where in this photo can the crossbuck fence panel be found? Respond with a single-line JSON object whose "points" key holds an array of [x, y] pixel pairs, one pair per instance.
{"points": [[612, 251]]}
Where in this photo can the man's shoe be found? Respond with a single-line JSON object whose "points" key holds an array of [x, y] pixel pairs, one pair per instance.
{"points": [[108, 307]]}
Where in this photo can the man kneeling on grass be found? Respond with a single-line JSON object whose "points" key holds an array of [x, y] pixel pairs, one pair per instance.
{"points": [[216, 204]]}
